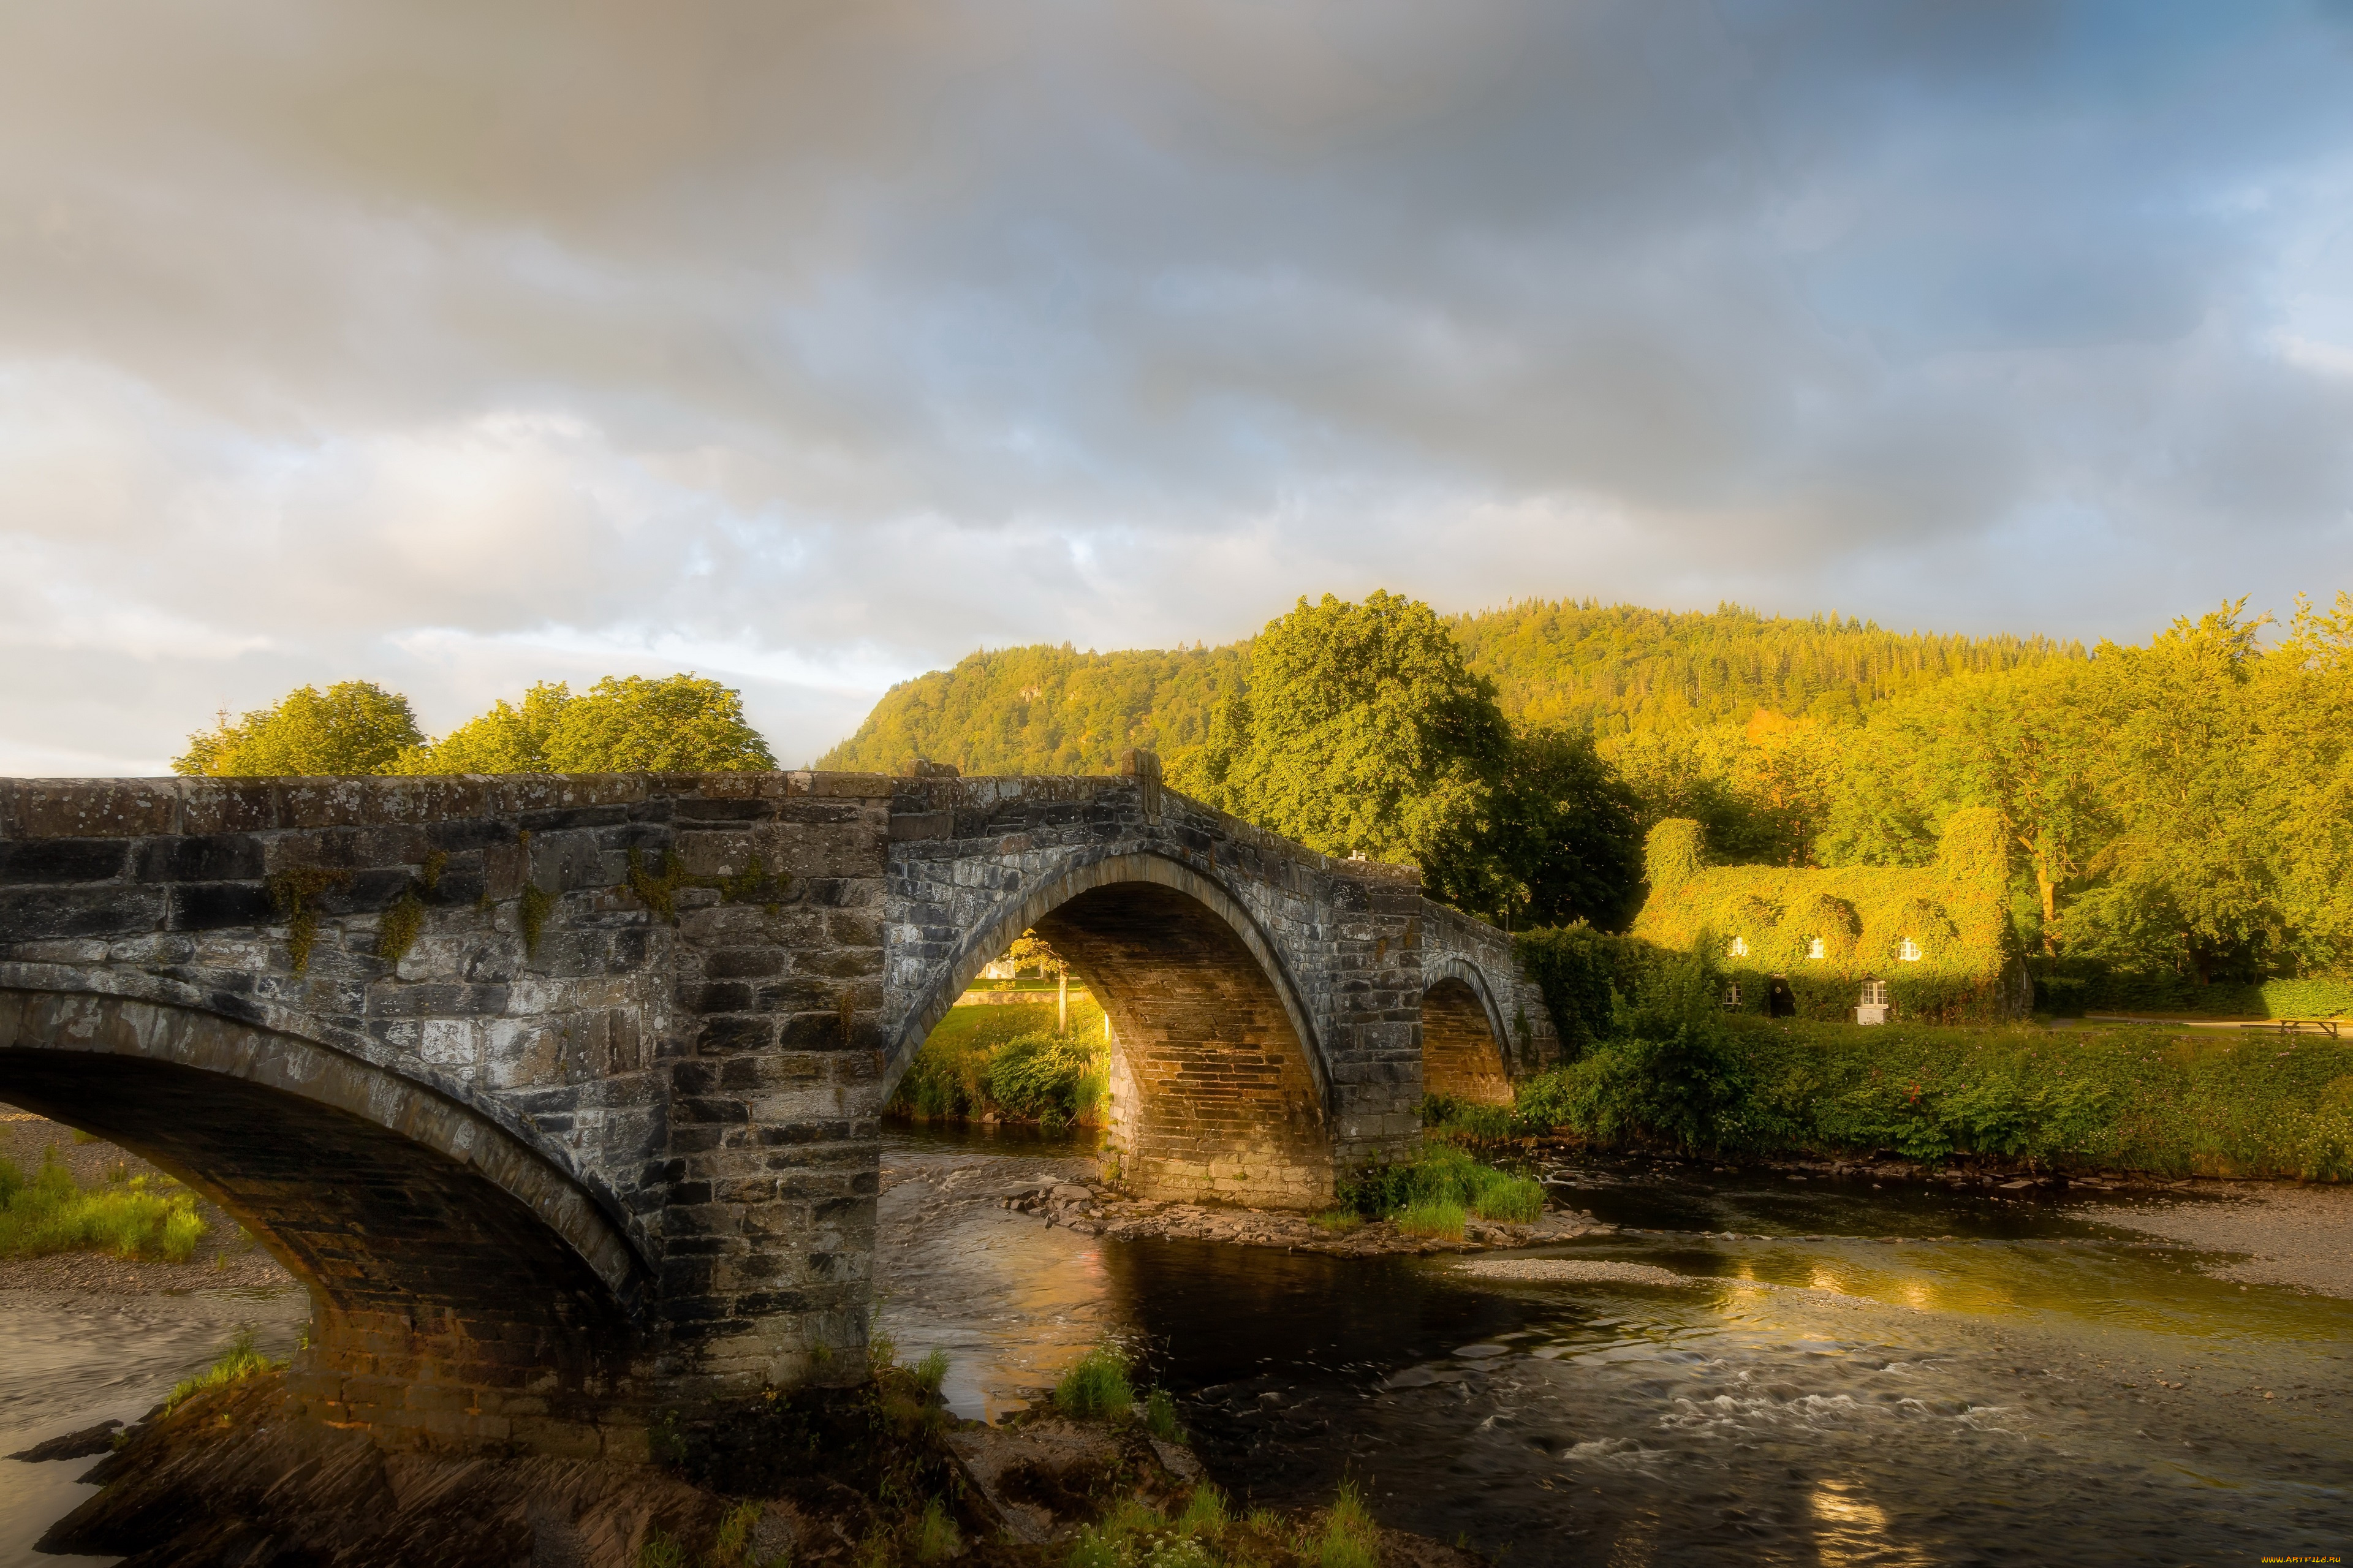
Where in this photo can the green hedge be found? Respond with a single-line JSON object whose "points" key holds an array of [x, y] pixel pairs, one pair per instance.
{"points": [[1582, 972], [2144, 1099], [2072, 987]]}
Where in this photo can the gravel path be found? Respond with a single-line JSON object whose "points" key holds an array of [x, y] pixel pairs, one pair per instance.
{"points": [[2288, 1234]]}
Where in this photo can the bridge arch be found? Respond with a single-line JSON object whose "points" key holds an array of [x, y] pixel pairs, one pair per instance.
{"points": [[1462, 1035], [465, 1288], [1220, 1086]]}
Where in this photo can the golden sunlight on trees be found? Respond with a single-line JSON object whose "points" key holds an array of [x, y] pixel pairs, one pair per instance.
{"points": [[1363, 730], [353, 727], [678, 723]]}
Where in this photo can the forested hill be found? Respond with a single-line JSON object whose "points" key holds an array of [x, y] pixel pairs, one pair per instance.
{"points": [[1612, 668], [1619, 668]]}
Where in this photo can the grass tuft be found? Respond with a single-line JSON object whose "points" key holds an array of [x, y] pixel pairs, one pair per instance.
{"points": [[239, 1360], [935, 1534], [1205, 1512], [1160, 1416], [1440, 1217], [135, 1217], [1440, 1177], [1350, 1538], [1096, 1387]]}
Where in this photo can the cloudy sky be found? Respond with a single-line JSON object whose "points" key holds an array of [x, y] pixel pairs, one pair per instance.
{"points": [[458, 345]]}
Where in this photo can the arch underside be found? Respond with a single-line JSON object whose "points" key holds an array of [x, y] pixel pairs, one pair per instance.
{"points": [[449, 1268], [1212, 1094], [1461, 1055]]}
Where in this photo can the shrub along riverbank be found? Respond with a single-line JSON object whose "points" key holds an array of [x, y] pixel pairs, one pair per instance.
{"points": [[1008, 1062], [2138, 1098], [1656, 1061]]}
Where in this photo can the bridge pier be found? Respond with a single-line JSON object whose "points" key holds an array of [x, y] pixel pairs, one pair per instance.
{"points": [[564, 1095]]}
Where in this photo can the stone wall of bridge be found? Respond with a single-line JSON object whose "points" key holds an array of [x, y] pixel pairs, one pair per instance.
{"points": [[563, 1094]]}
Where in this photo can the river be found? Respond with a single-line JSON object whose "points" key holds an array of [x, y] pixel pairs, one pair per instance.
{"points": [[2037, 1386]]}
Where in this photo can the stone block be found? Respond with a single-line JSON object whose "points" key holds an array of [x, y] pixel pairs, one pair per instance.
{"points": [[45, 860], [88, 909]]}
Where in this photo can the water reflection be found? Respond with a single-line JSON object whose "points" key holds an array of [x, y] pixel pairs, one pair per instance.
{"points": [[1815, 1393]]}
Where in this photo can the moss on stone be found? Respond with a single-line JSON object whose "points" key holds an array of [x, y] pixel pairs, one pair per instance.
{"points": [[536, 905], [292, 893], [399, 929]]}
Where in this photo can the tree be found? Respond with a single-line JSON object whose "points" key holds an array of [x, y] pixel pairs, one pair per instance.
{"points": [[1031, 951], [2193, 850], [1566, 839], [353, 727], [680, 723], [505, 739], [1761, 791], [2024, 744], [2302, 693], [1361, 731]]}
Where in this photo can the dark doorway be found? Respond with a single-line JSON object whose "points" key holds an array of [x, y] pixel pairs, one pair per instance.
{"points": [[1780, 1002]]}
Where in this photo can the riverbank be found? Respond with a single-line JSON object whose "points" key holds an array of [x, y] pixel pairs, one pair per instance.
{"points": [[225, 1256], [872, 1475]]}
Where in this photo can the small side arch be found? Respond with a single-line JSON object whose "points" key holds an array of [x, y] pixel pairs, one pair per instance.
{"points": [[1462, 1032]]}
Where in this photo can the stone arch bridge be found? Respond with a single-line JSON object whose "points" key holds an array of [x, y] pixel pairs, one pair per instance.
{"points": [[563, 1094]]}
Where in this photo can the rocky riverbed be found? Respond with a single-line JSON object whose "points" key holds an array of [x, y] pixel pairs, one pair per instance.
{"points": [[1096, 1210]]}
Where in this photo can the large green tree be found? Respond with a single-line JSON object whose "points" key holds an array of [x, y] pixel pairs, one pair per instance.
{"points": [[1362, 732], [353, 727], [2194, 859], [678, 723], [2025, 743]]}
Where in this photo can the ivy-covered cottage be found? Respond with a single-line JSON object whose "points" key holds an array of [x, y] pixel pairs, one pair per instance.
{"points": [[1863, 942]]}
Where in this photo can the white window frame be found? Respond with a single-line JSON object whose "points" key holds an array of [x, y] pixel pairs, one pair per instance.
{"points": [[1818, 948], [1739, 947], [1908, 951]]}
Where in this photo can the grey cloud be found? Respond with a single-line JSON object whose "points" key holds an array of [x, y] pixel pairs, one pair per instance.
{"points": [[454, 343]]}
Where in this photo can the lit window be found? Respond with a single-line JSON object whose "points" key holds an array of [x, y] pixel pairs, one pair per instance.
{"points": [[1814, 949], [1739, 947], [1908, 951]]}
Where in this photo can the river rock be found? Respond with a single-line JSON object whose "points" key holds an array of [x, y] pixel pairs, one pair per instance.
{"points": [[81, 1444]]}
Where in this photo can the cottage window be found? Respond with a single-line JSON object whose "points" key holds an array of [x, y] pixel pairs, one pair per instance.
{"points": [[1908, 951], [1815, 948], [1874, 992], [1731, 997], [1739, 947]]}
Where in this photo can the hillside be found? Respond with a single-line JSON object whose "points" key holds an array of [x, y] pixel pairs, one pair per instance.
{"points": [[1615, 669]]}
